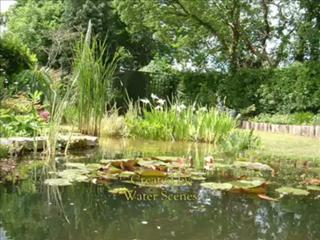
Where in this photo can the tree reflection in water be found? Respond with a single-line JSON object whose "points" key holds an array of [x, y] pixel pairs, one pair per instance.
{"points": [[93, 213]]}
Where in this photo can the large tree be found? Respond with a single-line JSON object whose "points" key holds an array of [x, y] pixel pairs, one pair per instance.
{"points": [[233, 33]]}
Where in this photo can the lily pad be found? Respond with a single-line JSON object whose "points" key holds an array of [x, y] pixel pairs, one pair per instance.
{"points": [[179, 174], [167, 159], [247, 184], [198, 174], [75, 165], [315, 170], [222, 166], [217, 186], [153, 164], [120, 191], [74, 175], [126, 174], [313, 188], [150, 173], [121, 163], [198, 178], [113, 170], [57, 182], [253, 166], [109, 176], [93, 166], [292, 191]]}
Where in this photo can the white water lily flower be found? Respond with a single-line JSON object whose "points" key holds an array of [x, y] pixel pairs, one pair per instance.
{"points": [[154, 97], [161, 101], [145, 101]]}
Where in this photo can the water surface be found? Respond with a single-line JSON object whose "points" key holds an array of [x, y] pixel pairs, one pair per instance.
{"points": [[31, 210]]}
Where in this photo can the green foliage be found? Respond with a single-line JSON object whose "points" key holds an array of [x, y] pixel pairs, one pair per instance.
{"points": [[292, 89], [32, 80], [239, 141], [163, 78], [14, 56], [226, 33], [305, 118], [107, 25], [94, 76], [20, 117], [33, 22], [4, 151], [178, 122], [200, 87]]}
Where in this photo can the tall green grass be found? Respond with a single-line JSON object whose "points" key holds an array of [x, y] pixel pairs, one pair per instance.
{"points": [[95, 71], [175, 121]]}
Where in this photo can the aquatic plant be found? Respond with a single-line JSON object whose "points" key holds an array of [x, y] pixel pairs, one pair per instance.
{"points": [[160, 120], [238, 141], [113, 125], [94, 69]]}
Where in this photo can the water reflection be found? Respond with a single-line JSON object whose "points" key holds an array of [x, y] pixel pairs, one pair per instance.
{"points": [[95, 214], [87, 211]]}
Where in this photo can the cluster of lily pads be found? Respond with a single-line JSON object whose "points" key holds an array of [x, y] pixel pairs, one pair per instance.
{"points": [[164, 172]]}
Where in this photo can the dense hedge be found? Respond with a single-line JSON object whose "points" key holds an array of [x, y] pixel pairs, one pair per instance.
{"points": [[292, 89], [14, 56]]}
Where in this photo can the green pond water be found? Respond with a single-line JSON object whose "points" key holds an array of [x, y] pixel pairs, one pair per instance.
{"points": [[32, 210]]}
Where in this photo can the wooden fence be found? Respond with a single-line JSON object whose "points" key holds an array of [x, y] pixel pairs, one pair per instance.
{"points": [[300, 130]]}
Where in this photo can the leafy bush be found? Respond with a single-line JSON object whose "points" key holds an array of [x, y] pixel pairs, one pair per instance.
{"points": [[34, 22], [200, 87], [292, 89], [20, 116], [305, 118], [14, 57], [283, 90], [239, 141]]}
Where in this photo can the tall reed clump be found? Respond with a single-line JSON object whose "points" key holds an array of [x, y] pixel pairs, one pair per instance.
{"points": [[157, 119], [95, 72], [60, 102]]}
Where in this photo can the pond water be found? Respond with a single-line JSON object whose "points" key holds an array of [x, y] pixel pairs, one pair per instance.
{"points": [[88, 211]]}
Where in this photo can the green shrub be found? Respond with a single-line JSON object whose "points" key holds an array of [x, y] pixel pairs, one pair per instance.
{"points": [[283, 90], [200, 87], [239, 141], [292, 89], [20, 117], [4, 151], [14, 57], [301, 118]]}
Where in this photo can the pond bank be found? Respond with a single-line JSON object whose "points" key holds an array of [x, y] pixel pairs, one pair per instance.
{"points": [[27, 144]]}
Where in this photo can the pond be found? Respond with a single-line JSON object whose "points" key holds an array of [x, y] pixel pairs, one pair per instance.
{"points": [[89, 211]]}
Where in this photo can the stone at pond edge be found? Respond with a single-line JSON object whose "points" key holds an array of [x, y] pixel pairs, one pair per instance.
{"points": [[292, 191]]}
